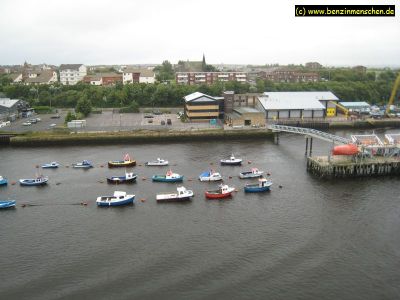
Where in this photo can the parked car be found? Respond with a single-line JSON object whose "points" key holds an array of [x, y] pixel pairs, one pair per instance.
{"points": [[38, 119], [157, 112], [57, 116], [26, 124], [162, 122], [169, 122], [148, 116], [33, 121]]}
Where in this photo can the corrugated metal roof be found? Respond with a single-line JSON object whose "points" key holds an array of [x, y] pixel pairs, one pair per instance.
{"points": [[355, 104], [295, 100], [7, 102], [199, 97]]}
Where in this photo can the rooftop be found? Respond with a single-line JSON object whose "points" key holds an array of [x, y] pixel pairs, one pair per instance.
{"points": [[246, 110], [295, 100], [200, 97], [355, 104], [70, 67], [7, 102]]}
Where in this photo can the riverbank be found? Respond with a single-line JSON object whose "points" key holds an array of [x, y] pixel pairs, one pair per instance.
{"points": [[39, 139]]}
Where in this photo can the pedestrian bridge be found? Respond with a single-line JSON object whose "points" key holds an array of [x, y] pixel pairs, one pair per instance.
{"points": [[309, 132]]}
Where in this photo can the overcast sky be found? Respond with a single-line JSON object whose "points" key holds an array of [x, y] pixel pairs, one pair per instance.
{"points": [[226, 31]]}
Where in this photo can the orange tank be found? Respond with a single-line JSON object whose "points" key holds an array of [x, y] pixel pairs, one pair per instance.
{"points": [[349, 149]]}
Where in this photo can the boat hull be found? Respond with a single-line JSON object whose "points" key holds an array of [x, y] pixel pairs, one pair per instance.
{"points": [[121, 164], [30, 182], [3, 182], [82, 166], [250, 189], [231, 163], [7, 204], [156, 178], [120, 179], [245, 176], [156, 164], [210, 178], [218, 196], [174, 199], [116, 203]]}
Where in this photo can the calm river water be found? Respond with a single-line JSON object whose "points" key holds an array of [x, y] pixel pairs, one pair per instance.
{"points": [[309, 239]]}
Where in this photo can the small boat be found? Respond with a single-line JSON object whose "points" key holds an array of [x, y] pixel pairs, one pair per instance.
{"points": [[84, 165], [224, 191], [119, 198], [158, 162], [7, 203], [127, 162], [232, 161], [210, 176], [52, 165], [182, 194], [263, 185], [40, 180], [251, 174], [3, 181], [127, 178], [168, 177]]}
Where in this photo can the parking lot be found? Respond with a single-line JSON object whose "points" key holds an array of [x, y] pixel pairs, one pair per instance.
{"points": [[108, 120]]}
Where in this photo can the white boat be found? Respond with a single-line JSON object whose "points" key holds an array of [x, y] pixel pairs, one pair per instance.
{"points": [[119, 198], [210, 176], [40, 180], [251, 174], [158, 162], [84, 165], [232, 161], [52, 165], [182, 194]]}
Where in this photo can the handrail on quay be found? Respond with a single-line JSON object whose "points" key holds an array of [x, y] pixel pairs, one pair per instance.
{"points": [[310, 132]]}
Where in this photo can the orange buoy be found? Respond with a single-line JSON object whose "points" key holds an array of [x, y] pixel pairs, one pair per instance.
{"points": [[236, 190], [249, 162], [142, 200], [13, 183], [144, 178]]}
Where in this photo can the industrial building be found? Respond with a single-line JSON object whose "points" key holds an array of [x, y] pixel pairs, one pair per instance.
{"points": [[9, 108], [202, 107], [245, 116], [298, 105], [360, 107]]}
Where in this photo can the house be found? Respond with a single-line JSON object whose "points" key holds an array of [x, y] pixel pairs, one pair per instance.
{"points": [[43, 77], [73, 73], [202, 107], [138, 75], [15, 77], [292, 105], [288, 75], [105, 79]]}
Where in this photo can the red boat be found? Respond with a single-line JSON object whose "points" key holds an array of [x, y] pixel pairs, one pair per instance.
{"points": [[224, 191], [349, 149]]}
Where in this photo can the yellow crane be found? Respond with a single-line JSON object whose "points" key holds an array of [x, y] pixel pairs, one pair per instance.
{"points": [[393, 94], [341, 107]]}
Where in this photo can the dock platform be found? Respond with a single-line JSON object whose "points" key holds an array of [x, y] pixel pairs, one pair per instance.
{"points": [[343, 167]]}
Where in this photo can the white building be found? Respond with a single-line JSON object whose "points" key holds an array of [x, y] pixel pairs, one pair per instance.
{"points": [[72, 74], [292, 105], [138, 75]]}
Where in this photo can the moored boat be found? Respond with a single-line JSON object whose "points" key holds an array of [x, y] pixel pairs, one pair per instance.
{"points": [[39, 180], [182, 194], [232, 161], [224, 191], [3, 181], [251, 174], [158, 162], [168, 177], [210, 176], [83, 165], [127, 162], [263, 185], [7, 203], [127, 178], [52, 165], [119, 198]]}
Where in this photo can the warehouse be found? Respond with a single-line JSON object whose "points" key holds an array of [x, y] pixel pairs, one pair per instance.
{"points": [[360, 107], [297, 105], [245, 116]]}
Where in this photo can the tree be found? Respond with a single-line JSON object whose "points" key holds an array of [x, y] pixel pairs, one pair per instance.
{"points": [[84, 106], [165, 71]]}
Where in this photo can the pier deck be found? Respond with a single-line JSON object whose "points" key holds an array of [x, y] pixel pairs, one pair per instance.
{"points": [[342, 166]]}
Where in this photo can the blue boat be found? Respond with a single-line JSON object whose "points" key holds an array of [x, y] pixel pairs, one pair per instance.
{"points": [[40, 180], [168, 177], [118, 199], [52, 165], [263, 185], [7, 203], [83, 165], [127, 178], [3, 181]]}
